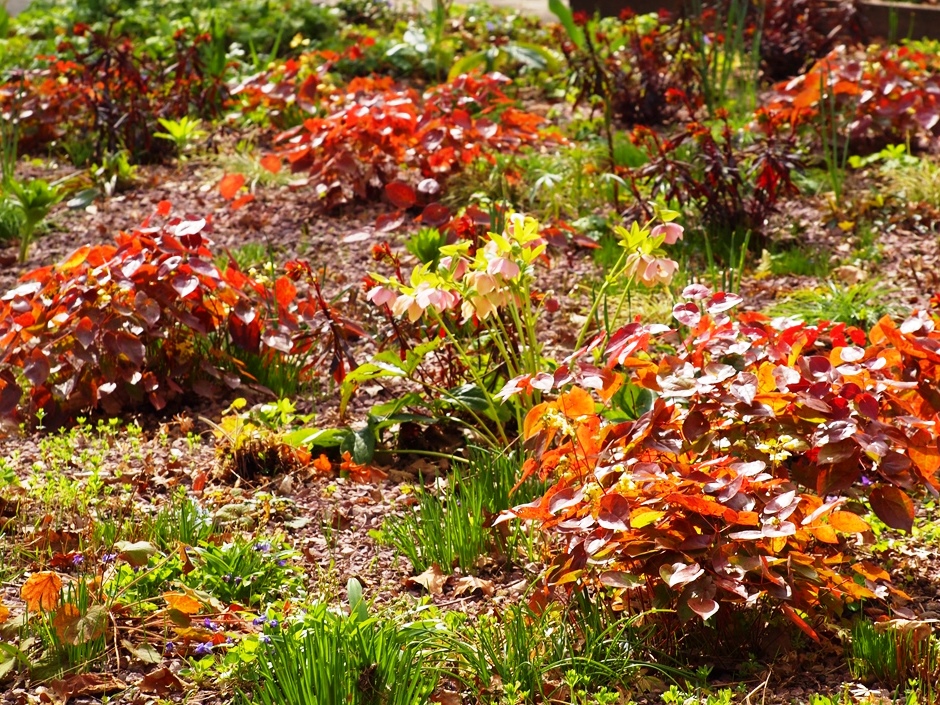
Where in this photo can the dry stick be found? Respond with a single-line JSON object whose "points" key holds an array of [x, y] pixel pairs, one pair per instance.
{"points": [[747, 698]]}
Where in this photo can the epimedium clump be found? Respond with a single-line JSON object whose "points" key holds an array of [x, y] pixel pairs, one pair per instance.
{"points": [[748, 464]]}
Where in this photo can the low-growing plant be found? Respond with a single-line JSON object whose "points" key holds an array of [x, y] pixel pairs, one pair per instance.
{"points": [[452, 525], [363, 149], [331, 656], [896, 653], [862, 304], [742, 458], [248, 572], [530, 652], [150, 318], [183, 133], [35, 198]]}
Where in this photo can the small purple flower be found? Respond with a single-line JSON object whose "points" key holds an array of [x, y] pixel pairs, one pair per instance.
{"points": [[272, 623], [108, 558], [259, 621], [226, 578], [264, 639], [204, 649], [263, 546], [282, 562], [865, 481], [238, 580], [78, 559], [210, 625], [169, 648]]}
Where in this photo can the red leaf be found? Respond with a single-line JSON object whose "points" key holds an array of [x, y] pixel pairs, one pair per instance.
{"points": [[185, 284], [893, 507], [36, 369], [163, 208], [230, 185], [387, 222], [435, 215], [400, 194], [614, 513]]}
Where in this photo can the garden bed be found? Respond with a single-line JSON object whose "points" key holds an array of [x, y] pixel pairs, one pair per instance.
{"points": [[356, 356]]}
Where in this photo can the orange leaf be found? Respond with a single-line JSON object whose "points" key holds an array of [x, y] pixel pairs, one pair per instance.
{"points": [[65, 618], [182, 602], [800, 622], [230, 185], [242, 201], [533, 420], [871, 571], [824, 533], [271, 163], [41, 591], [4, 613], [323, 463], [848, 523], [575, 403]]}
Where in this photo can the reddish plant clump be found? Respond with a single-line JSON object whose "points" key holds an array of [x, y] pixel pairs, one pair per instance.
{"points": [[740, 482]]}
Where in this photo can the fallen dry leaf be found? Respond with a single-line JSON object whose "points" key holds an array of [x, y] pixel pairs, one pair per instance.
{"points": [[4, 613], [41, 591], [76, 628], [160, 681], [432, 580], [471, 584], [87, 684]]}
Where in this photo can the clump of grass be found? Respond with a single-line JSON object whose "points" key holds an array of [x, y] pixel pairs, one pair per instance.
{"points": [[452, 526], [862, 304], [896, 655], [333, 657]]}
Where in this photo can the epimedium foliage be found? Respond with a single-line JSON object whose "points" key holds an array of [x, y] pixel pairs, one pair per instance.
{"points": [[734, 188], [725, 461], [374, 132], [889, 95], [151, 318], [103, 85]]}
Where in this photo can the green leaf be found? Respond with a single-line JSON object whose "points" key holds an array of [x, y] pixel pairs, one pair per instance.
{"points": [[566, 19], [360, 444], [467, 64], [315, 437], [145, 653], [357, 606], [137, 554]]}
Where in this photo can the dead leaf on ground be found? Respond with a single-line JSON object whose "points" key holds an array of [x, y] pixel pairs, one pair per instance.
{"points": [[471, 584], [4, 613], [87, 684], [76, 628], [160, 681], [41, 591], [432, 580]]}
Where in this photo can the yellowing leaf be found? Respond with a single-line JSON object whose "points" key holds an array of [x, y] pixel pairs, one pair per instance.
{"points": [[848, 523], [4, 613], [184, 603], [41, 591], [644, 517]]}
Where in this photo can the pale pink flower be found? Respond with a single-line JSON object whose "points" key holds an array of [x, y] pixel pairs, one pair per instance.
{"points": [[671, 231], [481, 282], [381, 295], [503, 266], [458, 270], [658, 271], [406, 303]]}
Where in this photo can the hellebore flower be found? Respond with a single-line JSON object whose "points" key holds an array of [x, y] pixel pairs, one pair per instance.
{"points": [[671, 231]]}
